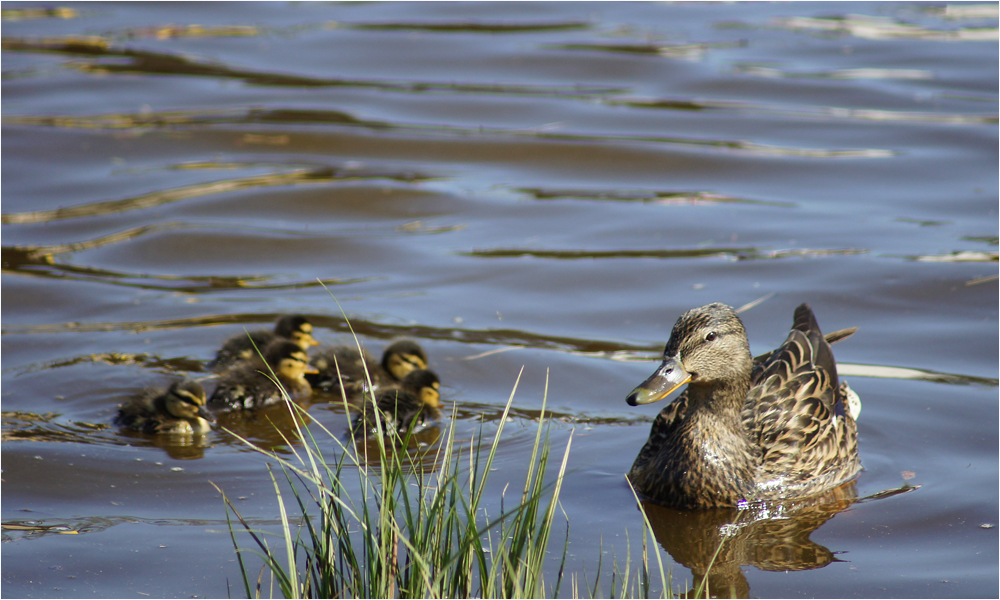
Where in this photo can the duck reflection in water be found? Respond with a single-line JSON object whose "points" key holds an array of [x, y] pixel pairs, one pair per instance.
{"points": [[269, 428], [758, 538]]}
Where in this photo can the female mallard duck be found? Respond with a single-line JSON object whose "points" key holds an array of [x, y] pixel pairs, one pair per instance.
{"points": [[180, 409], [244, 346], [398, 360], [418, 395], [248, 384], [745, 430]]}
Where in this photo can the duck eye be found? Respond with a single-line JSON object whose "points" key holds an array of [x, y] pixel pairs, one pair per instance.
{"points": [[711, 336]]}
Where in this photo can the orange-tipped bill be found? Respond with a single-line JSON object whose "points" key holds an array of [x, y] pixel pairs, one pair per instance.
{"points": [[669, 376]]}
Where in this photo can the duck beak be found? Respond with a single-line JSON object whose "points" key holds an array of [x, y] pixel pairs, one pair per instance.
{"points": [[204, 414], [669, 376], [311, 370]]}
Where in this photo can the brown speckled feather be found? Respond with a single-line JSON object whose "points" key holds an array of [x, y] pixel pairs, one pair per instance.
{"points": [[782, 433], [346, 365]]}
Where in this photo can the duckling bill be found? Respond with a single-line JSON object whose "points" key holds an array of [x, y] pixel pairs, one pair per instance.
{"points": [[776, 427], [180, 409]]}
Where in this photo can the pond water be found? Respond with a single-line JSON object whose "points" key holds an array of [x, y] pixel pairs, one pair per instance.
{"points": [[546, 186]]}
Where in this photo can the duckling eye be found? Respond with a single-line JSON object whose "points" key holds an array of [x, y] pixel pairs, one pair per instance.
{"points": [[711, 336]]}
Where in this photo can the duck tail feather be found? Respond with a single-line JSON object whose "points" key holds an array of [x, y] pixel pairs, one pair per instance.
{"points": [[840, 335], [805, 320]]}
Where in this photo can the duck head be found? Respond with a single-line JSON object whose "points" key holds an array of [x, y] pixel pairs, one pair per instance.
{"points": [[296, 328], [288, 360], [403, 357], [186, 400], [708, 347], [425, 385]]}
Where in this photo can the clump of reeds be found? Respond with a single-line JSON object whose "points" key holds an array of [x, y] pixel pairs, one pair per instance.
{"points": [[413, 534]]}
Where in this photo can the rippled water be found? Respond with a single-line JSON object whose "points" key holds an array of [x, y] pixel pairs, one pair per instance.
{"points": [[536, 185]]}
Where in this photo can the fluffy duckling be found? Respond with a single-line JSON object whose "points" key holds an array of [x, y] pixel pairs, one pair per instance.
{"points": [[418, 395], [247, 385], [398, 360], [777, 428], [180, 409], [245, 346]]}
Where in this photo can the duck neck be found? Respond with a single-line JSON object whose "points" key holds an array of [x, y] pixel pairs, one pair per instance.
{"points": [[295, 386], [719, 439], [723, 398]]}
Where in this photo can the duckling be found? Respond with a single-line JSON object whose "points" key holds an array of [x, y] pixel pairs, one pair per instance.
{"points": [[741, 432], [418, 395], [180, 409], [398, 360], [247, 385], [244, 346]]}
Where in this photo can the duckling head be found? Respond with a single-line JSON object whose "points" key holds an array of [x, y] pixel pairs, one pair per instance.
{"points": [[708, 347], [403, 357], [288, 360], [425, 385], [296, 328], [186, 400]]}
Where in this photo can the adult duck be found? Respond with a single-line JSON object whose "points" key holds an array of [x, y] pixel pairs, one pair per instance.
{"points": [[745, 430]]}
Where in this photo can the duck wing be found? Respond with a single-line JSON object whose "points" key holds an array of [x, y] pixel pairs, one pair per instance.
{"points": [[346, 366], [244, 387], [244, 346], [831, 338], [795, 414], [398, 409]]}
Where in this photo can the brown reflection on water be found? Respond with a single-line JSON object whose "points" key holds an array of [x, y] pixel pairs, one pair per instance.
{"points": [[31, 427], [770, 541], [735, 253], [272, 428], [315, 176], [664, 197], [142, 62], [421, 455], [177, 446], [39, 262], [681, 51]]}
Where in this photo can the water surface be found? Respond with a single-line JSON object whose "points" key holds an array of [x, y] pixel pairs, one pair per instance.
{"points": [[545, 186]]}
